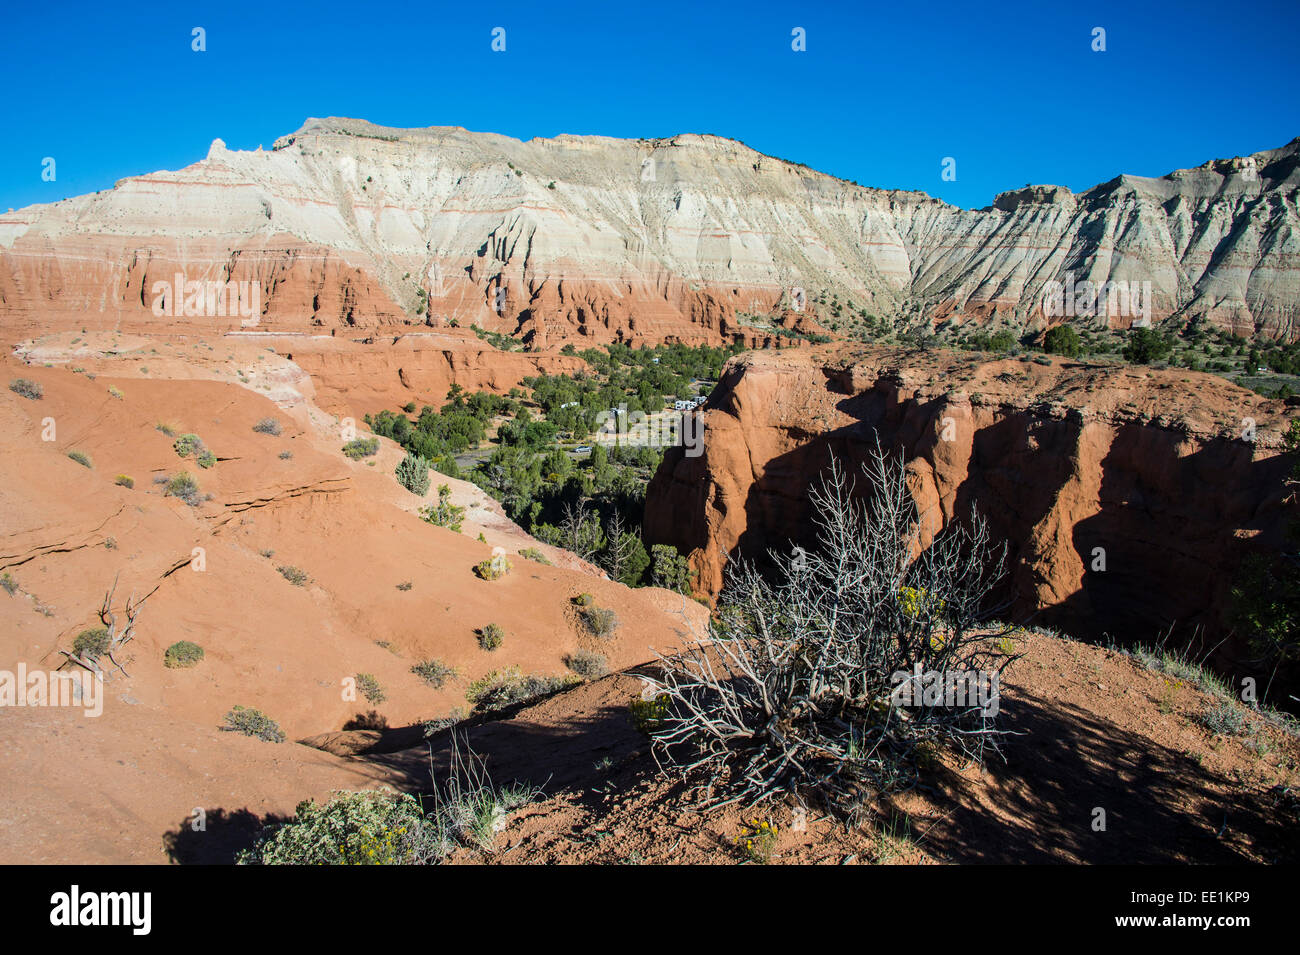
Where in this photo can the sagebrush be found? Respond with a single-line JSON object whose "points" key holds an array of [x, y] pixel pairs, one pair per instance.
{"points": [[253, 722], [465, 809], [794, 688], [413, 474], [183, 654], [508, 687]]}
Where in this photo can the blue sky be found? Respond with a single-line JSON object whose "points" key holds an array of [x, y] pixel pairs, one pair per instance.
{"points": [[884, 92]]}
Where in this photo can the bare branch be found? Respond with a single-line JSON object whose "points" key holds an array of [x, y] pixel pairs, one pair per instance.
{"points": [[793, 688]]}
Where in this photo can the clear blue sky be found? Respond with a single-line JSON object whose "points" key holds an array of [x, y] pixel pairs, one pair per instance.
{"points": [[882, 94]]}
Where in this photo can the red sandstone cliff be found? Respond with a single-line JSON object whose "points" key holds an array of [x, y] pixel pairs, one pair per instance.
{"points": [[1061, 459]]}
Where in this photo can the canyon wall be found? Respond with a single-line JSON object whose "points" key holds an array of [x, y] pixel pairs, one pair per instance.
{"points": [[1061, 458], [346, 225], [355, 378]]}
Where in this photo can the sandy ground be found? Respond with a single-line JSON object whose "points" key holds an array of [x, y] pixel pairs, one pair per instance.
{"points": [[1093, 730]]}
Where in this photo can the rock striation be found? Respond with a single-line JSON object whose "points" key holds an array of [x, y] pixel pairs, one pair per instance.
{"points": [[349, 227], [1158, 469]]}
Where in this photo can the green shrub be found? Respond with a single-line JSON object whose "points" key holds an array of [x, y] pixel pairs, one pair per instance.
{"points": [[267, 426], [361, 448], [361, 828], [8, 583], [535, 555], [27, 389], [444, 513], [188, 444], [81, 458], [649, 715], [1225, 719], [1000, 341], [370, 688], [1062, 340], [253, 723], [494, 568], [670, 569], [584, 600], [167, 429], [1146, 345], [91, 644], [491, 637], [509, 687], [601, 621], [182, 655], [383, 828], [125, 480], [434, 672], [183, 486], [205, 459], [587, 664], [413, 474], [294, 575]]}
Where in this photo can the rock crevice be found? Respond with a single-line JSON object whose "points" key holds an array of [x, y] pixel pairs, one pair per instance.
{"points": [[1127, 510]]}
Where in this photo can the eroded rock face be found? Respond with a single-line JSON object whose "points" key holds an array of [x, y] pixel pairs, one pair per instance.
{"points": [[346, 225], [355, 378], [1061, 459]]}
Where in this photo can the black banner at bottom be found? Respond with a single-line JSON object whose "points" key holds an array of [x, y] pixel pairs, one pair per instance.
{"points": [[180, 904]]}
